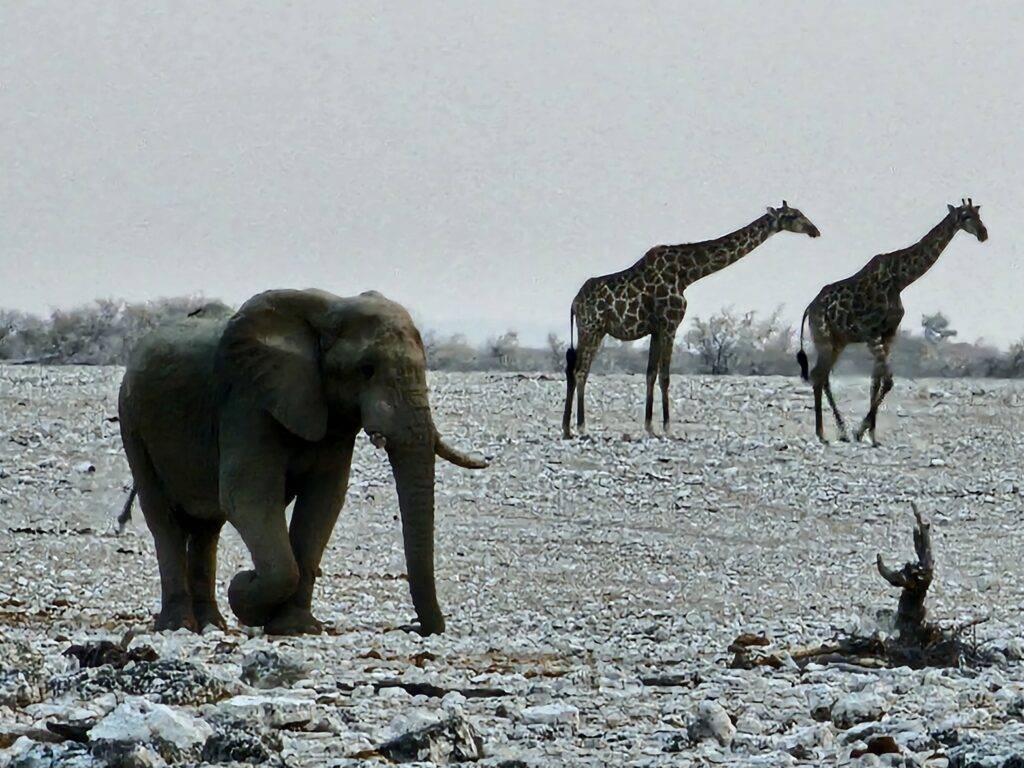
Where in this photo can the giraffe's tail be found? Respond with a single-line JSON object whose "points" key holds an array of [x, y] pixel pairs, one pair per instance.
{"points": [[801, 356], [570, 353]]}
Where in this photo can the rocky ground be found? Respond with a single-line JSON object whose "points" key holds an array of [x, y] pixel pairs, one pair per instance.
{"points": [[592, 589]]}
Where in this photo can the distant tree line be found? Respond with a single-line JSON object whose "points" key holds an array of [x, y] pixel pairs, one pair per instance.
{"points": [[104, 332], [100, 333]]}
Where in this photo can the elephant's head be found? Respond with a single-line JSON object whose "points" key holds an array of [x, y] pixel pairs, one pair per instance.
{"points": [[321, 364]]}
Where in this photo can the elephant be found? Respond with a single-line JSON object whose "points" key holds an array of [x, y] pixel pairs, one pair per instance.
{"points": [[231, 419]]}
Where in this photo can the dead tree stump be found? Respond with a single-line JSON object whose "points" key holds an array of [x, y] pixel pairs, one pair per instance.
{"points": [[914, 579], [919, 643]]}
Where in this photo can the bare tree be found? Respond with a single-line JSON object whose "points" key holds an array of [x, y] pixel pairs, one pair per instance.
{"points": [[453, 353], [504, 348], [731, 343], [936, 328], [556, 350]]}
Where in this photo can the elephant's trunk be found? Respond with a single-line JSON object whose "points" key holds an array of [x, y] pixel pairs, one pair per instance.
{"points": [[413, 468]]}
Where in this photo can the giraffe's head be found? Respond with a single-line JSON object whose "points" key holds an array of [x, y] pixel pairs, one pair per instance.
{"points": [[968, 219], [791, 220]]}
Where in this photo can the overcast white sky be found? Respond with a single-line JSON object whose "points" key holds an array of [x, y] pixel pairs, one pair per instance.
{"points": [[479, 161]]}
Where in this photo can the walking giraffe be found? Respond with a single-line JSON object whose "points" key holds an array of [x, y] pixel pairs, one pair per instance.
{"points": [[866, 307], [647, 300]]}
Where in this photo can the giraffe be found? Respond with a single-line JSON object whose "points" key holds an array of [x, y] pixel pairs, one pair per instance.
{"points": [[866, 308], [647, 300]]}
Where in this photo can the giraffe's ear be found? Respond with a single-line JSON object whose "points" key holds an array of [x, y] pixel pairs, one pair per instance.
{"points": [[950, 206]]}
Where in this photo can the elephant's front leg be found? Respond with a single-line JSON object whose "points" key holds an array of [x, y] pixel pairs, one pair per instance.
{"points": [[252, 493], [319, 501]]}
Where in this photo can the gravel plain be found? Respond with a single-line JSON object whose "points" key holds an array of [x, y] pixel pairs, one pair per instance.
{"points": [[592, 588]]}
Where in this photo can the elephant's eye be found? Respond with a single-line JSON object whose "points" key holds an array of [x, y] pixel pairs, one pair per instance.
{"points": [[367, 370]]}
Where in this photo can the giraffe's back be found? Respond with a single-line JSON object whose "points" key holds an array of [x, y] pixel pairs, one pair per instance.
{"points": [[859, 308], [628, 305]]}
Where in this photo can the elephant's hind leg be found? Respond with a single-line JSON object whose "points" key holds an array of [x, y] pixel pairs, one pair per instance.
{"points": [[170, 538], [202, 572]]}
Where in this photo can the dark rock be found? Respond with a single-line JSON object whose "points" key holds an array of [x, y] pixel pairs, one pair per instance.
{"points": [[42, 755], [19, 688], [269, 669], [238, 741], [71, 731], [878, 745], [167, 681], [126, 754], [102, 652], [452, 740]]}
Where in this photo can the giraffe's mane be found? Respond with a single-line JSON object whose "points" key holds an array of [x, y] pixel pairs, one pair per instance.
{"points": [[880, 259]]}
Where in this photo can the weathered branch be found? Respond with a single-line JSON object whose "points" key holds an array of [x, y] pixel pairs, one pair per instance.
{"points": [[914, 579]]}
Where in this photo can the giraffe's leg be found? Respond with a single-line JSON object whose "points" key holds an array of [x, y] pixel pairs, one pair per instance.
{"points": [[653, 356], [827, 386], [819, 380], [881, 384], [665, 365], [585, 354], [876, 385], [844, 435]]}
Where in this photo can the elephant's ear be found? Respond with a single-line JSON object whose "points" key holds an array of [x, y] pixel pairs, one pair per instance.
{"points": [[270, 349]]}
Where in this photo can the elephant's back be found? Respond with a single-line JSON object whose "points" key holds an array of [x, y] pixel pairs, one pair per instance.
{"points": [[167, 402], [173, 359]]}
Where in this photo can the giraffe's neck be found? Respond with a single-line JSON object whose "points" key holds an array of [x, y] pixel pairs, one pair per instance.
{"points": [[697, 260], [919, 258]]}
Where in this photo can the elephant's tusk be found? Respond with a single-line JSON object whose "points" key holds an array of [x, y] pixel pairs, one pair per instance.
{"points": [[458, 458]]}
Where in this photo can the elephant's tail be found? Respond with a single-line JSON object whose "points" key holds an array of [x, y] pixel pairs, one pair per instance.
{"points": [[801, 356], [126, 510]]}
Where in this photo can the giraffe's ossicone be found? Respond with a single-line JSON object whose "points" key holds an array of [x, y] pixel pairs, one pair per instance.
{"points": [[647, 300]]}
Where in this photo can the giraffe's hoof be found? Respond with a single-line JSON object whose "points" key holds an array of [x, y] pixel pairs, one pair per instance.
{"points": [[843, 437]]}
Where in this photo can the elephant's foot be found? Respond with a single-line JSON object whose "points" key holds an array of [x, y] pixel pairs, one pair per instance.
{"points": [[256, 597], [425, 627], [293, 620], [208, 615], [176, 616]]}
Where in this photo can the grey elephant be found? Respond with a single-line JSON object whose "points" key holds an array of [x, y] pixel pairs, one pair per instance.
{"points": [[229, 420]]}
